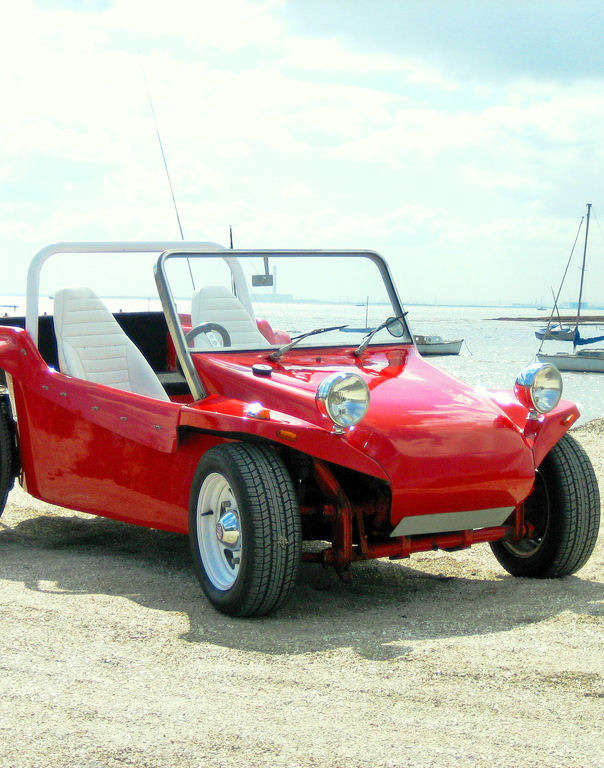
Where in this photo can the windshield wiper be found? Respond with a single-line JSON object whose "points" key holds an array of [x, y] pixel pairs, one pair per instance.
{"points": [[286, 347], [395, 327]]}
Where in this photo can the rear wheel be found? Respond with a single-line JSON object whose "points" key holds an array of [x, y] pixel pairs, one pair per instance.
{"points": [[564, 514], [7, 452], [244, 529]]}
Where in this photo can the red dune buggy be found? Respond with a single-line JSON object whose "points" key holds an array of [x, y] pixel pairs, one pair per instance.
{"points": [[272, 398]]}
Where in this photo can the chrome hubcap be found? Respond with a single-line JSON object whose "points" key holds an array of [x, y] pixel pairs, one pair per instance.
{"points": [[219, 535], [227, 529]]}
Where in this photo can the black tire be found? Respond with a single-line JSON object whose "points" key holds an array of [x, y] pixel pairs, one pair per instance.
{"points": [[244, 529], [564, 509], [7, 452]]}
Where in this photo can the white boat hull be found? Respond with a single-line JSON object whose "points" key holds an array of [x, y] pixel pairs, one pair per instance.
{"points": [[584, 361], [435, 345]]}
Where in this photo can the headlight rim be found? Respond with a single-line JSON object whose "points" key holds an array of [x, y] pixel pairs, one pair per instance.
{"points": [[525, 387], [325, 389]]}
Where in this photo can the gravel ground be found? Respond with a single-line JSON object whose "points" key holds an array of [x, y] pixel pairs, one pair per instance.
{"points": [[110, 656]]}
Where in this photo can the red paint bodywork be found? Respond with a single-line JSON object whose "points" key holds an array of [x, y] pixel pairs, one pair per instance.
{"points": [[442, 446], [439, 445]]}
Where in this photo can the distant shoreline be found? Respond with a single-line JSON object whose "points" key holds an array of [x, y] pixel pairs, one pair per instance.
{"points": [[584, 319], [14, 301]]}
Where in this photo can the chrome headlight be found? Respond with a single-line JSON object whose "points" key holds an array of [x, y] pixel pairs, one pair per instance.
{"points": [[539, 387], [344, 398]]}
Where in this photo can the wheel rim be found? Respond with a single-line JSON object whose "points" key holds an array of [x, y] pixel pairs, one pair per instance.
{"points": [[537, 514], [219, 536]]}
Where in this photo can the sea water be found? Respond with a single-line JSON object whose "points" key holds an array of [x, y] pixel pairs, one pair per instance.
{"points": [[493, 352]]}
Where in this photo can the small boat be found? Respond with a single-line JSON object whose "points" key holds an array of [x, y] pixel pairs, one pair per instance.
{"points": [[426, 345], [558, 332], [436, 345], [580, 360]]}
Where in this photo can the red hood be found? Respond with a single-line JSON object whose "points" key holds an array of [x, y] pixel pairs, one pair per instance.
{"points": [[444, 446]]}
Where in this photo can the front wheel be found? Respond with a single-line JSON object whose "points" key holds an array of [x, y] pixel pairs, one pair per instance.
{"points": [[244, 529], [563, 512]]}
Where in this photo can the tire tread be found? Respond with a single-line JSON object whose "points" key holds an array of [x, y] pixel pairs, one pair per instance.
{"points": [[7, 454], [275, 522], [579, 508], [575, 516]]}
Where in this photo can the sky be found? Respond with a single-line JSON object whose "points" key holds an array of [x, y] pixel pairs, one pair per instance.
{"points": [[460, 139]]}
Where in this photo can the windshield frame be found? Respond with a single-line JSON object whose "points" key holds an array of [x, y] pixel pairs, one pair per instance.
{"points": [[183, 351]]}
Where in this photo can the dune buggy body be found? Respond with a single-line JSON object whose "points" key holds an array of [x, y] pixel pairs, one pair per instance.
{"points": [[225, 429]]}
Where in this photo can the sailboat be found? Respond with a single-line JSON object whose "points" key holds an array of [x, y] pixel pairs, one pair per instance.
{"points": [[558, 330], [582, 360]]}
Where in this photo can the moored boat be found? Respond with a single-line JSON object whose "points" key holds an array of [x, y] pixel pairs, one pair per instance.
{"points": [[558, 332], [436, 345], [580, 360]]}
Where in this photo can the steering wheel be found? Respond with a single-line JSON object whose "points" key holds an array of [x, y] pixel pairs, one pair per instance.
{"points": [[205, 328]]}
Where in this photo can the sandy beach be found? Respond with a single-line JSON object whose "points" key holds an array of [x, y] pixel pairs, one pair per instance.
{"points": [[110, 656]]}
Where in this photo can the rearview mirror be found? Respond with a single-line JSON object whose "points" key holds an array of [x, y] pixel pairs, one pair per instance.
{"points": [[262, 279], [266, 278]]}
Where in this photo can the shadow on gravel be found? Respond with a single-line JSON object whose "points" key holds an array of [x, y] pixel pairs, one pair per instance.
{"points": [[386, 605]]}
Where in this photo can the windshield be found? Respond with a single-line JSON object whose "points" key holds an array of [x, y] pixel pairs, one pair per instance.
{"points": [[239, 300]]}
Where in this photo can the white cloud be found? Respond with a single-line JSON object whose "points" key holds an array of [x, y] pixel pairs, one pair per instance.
{"points": [[298, 191], [295, 140]]}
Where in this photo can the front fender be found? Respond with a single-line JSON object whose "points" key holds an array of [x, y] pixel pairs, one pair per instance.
{"points": [[542, 432], [231, 417]]}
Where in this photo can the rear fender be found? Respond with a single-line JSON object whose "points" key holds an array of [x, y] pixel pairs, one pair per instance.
{"points": [[18, 353], [34, 385]]}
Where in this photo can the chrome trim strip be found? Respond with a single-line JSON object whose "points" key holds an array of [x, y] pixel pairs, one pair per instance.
{"points": [[451, 521]]}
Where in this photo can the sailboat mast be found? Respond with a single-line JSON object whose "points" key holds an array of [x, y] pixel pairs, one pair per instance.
{"points": [[582, 270]]}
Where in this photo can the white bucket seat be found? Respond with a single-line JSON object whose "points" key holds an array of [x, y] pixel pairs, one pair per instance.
{"points": [[92, 345], [216, 304]]}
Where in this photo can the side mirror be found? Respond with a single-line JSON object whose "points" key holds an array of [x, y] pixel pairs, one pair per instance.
{"points": [[395, 327]]}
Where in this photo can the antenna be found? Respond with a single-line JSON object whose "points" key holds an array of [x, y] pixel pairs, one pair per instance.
{"points": [[163, 155]]}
